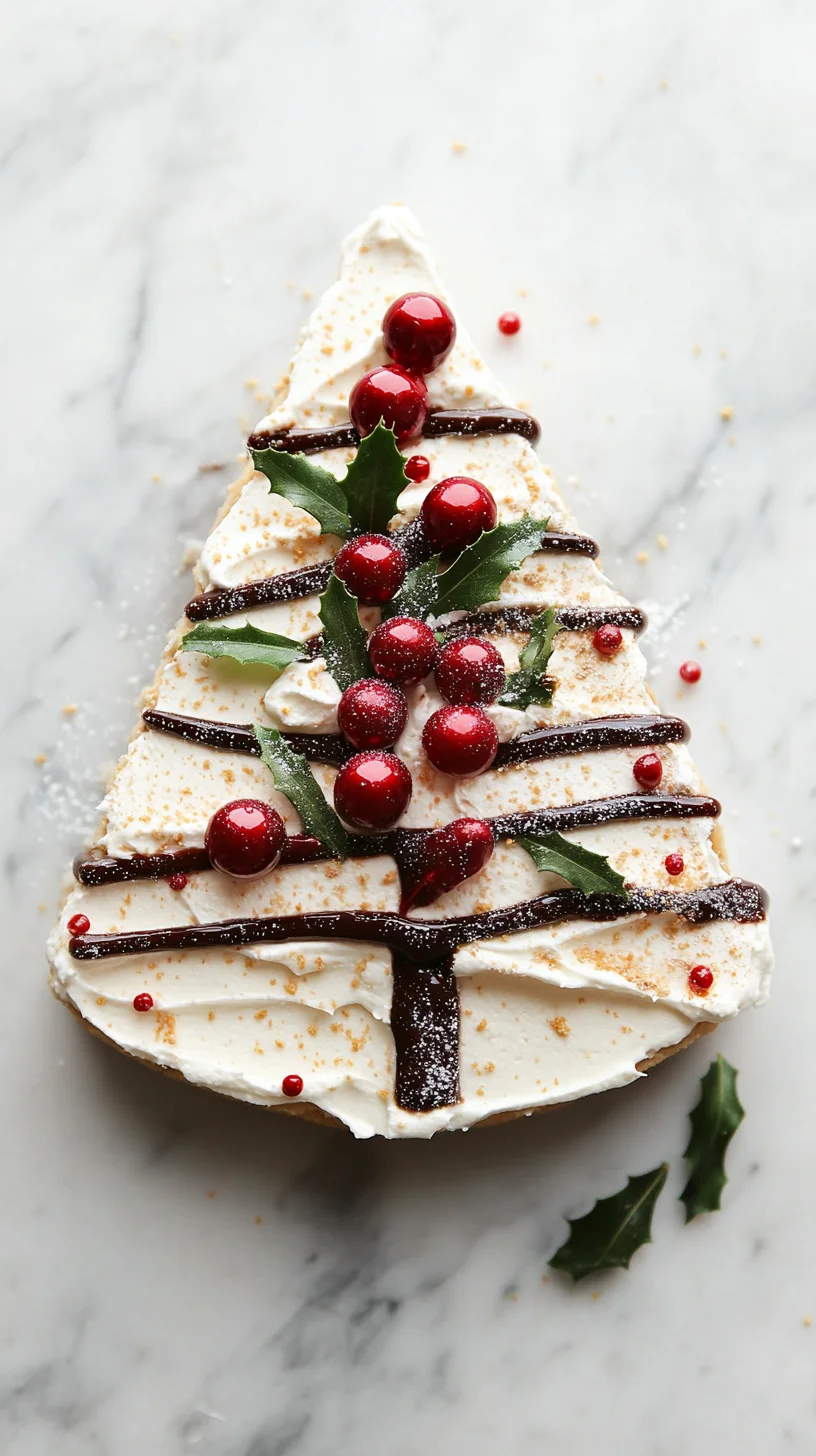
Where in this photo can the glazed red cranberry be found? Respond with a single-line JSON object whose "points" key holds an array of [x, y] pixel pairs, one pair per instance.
{"points": [[177, 882], [461, 742], [701, 979], [417, 468], [675, 864], [403, 650], [143, 1002], [292, 1086], [456, 511], [372, 790], [419, 332], [245, 839], [648, 771], [449, 857], [372, 713], [691, 672], [372, 567], [79, 925], [607, 639], [470, 670], [393, 395], [509, 323]]}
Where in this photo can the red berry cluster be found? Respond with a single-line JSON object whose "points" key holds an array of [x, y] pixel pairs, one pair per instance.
{"points": [[419, 332]]}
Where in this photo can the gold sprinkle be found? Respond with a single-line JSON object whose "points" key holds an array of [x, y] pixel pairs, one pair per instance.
{"points": [[756, 639], [69, 708], [155, 479], [307, 293], [727, 412], [458, 148], [807, 1321], [593, 320], [662, 541], [702, 642], [250, 384], [40, 758], [643, 557]]}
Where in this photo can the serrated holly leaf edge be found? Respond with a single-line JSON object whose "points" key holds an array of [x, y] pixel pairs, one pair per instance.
{"points": [[560, 848], [694, 1155], [340, 846], [220, 639], [656, 1183]]}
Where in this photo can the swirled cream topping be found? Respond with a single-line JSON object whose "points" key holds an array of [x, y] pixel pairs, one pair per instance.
{"points": [[547, 1015]]}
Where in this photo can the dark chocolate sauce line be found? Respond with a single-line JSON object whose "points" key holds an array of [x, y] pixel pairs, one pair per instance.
{"points": [[438, 423], [425, 1026], [406, 844], [424, 942], [571, 619], [594, 734], [307, 581]]}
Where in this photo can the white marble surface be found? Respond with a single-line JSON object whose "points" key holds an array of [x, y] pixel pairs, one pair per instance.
{"points": [[185, 1275]]}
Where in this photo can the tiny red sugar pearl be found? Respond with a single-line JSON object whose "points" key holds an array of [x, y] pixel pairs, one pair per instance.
{"points": [[417, 468], [177, 882], [292, 1086], [372, 790], [143, 1002], [701, 979], [675, 864], [691, 672], [419, 332], [372, 713], [403, 650], [393, 395], [648, 771], [607, 639], [245, 839], [372, 567], [461, 742], [470, 670], [79, 925], [509, 323], [456, 512]]}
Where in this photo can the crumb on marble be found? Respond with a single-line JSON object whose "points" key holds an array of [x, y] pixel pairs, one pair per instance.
{"points": [[458, 148], [593, 320], [807, 1321], [210, 467], [155, 479], [662, 541], [40, 758], [69, 709], [727, 412], [643, 557]]}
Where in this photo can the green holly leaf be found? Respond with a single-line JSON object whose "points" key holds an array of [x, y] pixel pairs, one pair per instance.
{"points": [[714, 1121], [478, 572], [417, 595], [247, 645], [614, 1230], [374, 480], [294, 778], [344, 638], [527, 686], [591, 873], [307, 485]]}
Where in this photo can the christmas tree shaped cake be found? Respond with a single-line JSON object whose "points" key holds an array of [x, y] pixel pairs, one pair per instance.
{"points": [[402, 840]]}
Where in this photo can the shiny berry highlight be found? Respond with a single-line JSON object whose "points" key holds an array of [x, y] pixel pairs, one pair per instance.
{"points": [[470, 670], [690, 672], [372, 791], [403, 650], [245, 839], [509, 323], [456, 512], [608, 639], [701, 979], [372, 713], [143, 1002], [460, 741], [79, 925], [417, 468], [675, 864], [648, 770], [292, 1085]]}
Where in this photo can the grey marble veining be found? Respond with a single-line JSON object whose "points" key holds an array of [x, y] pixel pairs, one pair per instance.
{"points": [[181, 1274]]}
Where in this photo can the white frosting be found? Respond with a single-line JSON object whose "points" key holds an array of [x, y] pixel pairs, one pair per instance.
{"points": [[546, 1015]]}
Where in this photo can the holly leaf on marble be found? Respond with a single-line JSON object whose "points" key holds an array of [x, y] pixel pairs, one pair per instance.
{"points": [[417, 595], [307, 485], [478, 573], [529, 685], [247, 645], [294, 778], [590, 873], [714, 1121], [614, 1230], [374, 480], [344, 639]]}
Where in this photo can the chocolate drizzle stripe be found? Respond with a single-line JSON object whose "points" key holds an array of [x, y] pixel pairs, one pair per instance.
{"points": [[571, 619], [425, 1026], [308, 581], [424, 942], [404, 845], [592, 735], [437, 424]]}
